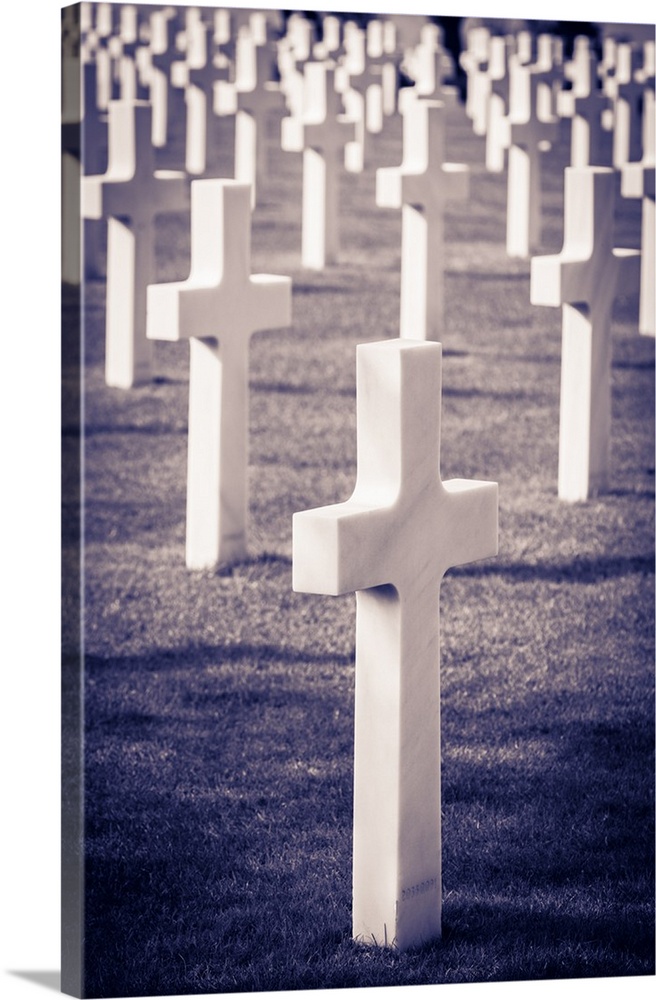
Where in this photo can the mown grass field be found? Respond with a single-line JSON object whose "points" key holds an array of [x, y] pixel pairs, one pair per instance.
{"points": [[219, 705]]}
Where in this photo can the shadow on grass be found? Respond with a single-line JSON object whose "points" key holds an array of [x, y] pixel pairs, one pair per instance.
{"points": [[302, 288], [218, 858], [486, 276], [303, 390], [511, 397], [117, 429], [547, 943], [200, 657], [576, 571]]}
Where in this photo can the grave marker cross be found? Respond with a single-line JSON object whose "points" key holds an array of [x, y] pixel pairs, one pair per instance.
{"points": [[528, 133], [584, 279], [474, 61], [421, 186], [160, 58], [217, 309], [322, 134], [130, 195], [392, 542], [638, 182], [257, 97], [497, 128], [628, 95], [203, 73], [586, 104]]}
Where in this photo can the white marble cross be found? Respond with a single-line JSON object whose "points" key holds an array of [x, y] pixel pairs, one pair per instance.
{"points": [[497, 129], [422, 186], [474, 61], [84, 151], [359, 80], [203, 71], [586, 105], [161, 54], [95, 46], [638, 182], [294, 50], [130, 195], [528, 134], [123, 48], [258, 96], [322, 134], [391, 543], [627, 93], [381, 52], [218, 308], [584, 279], [330, 44], [431, 65]]}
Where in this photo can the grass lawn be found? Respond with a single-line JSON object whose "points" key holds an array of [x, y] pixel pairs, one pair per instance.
{"points": [[218, 706]]}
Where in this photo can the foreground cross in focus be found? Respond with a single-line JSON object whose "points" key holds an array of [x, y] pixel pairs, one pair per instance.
{"points": [[584, 279], [392, 542], [218, 308]]}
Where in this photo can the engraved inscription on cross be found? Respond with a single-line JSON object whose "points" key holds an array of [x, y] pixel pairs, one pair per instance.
{"points": [[217, 309], [422, 186], [584, 279], [130, 195], [391, 543]]}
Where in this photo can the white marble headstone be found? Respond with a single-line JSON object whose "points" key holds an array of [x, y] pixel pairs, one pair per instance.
{"points": [[130, 195], [391, 543], [583, 280], [217, 309], [422, 187]]}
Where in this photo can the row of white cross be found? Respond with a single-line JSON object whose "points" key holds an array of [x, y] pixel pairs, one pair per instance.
{"points": [[392, 542]]}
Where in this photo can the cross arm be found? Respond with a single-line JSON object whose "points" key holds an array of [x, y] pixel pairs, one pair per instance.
{"points": [[637, 180], [474, 507], [557, 279], [628, 271], [164, 311], [565, 278], [291, 134], [389, 187], [271, 296], [92, 197], [455, 177], [337, 549]]}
